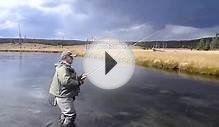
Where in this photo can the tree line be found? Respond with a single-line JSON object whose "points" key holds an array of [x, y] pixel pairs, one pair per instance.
{"points": [[205, 44], [210, 43]]}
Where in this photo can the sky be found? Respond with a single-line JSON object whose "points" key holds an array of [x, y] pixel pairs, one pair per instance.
{"points": [[131, 20]]}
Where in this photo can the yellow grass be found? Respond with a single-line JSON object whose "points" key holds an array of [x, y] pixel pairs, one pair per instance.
{"points": [[34, 47], [200, 62], [197, 62]]}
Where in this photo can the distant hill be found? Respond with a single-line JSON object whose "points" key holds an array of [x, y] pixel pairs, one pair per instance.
{"points": [[43, 41], [191, 44], [146, 44]]}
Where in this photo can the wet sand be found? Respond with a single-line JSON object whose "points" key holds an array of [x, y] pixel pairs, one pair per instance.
{"points": [[150, 98]]}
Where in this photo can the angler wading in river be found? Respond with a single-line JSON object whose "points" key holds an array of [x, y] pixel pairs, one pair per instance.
{"points": [[65, 87]]}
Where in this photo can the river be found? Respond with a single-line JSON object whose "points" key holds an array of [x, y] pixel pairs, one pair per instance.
{"points": [[150, 99]]}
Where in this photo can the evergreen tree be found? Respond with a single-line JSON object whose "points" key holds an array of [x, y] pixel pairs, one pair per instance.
{"points": [[201, 44], [215, 43], [207, 45]]}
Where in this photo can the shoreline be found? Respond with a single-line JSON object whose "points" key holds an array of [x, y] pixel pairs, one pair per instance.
{"points": [[41, 51], [182, 61], [169, 60]]}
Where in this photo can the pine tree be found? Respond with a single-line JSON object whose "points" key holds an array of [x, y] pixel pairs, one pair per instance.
{"points": [[207, 45], [213, 43], [201, 44]]}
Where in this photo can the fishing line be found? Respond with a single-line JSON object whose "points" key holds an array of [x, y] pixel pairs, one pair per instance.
{"points": [[138, 41]]}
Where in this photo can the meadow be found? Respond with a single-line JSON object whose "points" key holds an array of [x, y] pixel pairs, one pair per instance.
{"points": [[182, 60], [190, 61]]}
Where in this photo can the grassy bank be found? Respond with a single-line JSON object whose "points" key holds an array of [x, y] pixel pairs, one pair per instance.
{"points": [[34, 47], [194, 62]]}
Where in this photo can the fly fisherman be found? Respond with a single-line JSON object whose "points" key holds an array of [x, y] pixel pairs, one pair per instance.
{"points": [[65, 86]]}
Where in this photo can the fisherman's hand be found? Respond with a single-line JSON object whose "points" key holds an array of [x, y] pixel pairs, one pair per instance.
{"points": [[81, 78]]}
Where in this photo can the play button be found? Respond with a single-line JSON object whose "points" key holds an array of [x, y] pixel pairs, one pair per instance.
{"points": [[109, 65], [109, 62]]}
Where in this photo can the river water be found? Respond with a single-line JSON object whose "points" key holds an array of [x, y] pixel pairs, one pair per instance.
{"points": [[150, 99]]}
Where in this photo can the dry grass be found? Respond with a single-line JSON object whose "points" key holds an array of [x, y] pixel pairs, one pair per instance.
{"points": [[34, 47], [196, 62], [200, 62]]}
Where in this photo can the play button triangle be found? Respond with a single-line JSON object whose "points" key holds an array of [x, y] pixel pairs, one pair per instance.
{"points": [[109, 63]]}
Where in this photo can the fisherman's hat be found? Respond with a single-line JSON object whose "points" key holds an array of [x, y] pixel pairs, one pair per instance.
{"points": [[67, 53]]}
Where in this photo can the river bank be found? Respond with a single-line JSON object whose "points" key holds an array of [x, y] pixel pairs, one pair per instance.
{"points": [[35, 47], [189, 61], [193, 62]]}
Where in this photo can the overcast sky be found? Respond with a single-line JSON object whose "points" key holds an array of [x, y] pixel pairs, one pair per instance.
{"points": [[110, 19]]}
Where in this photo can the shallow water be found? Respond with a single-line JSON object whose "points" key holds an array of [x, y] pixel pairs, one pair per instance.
{"points": [[150, 98]]}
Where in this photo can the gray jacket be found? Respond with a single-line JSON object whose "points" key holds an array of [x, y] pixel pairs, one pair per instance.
{"points": [[65, 82]]}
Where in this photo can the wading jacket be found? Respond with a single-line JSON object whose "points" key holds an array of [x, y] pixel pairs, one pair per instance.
{"points": [[65, 82]]}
